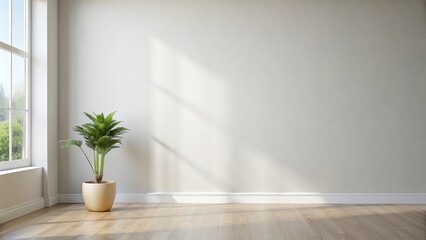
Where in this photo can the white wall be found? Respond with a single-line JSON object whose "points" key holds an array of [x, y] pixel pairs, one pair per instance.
{"points": [[320, 96], [44, 95]]}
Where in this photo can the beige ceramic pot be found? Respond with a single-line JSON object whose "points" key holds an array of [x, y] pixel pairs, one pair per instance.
{"points": [[99, 197]]}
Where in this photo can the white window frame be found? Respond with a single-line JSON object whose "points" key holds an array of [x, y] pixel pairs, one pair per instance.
{"points": [[5, 165]]}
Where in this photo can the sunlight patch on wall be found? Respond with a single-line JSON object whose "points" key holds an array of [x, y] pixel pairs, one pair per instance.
{"points": [[192, 145], [197, 86], [189, 111]]}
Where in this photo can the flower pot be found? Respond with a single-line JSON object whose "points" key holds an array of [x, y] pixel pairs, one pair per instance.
{"points": [[98, 197]]}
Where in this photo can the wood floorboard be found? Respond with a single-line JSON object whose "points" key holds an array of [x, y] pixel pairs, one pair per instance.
{"points": [[175, 221]]}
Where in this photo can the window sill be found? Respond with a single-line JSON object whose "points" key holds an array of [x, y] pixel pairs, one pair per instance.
{"points": [[14, 164], [17, 170]]}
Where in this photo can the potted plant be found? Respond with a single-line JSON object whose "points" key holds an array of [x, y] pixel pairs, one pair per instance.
{"points": [[101, 135]]}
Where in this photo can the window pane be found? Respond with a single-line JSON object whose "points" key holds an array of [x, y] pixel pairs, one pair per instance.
{"points": [[4, 135], [4, 21], [18, 82], [18, 23], [18, 134], [4, 79]]}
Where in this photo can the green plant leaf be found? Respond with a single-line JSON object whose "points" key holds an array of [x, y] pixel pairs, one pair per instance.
{"points": [[71, 142], [110, 116], [90, 116]]}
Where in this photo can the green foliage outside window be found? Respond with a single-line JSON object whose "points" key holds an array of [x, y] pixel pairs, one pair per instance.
{"points": [[17, 127], [17, 139]]}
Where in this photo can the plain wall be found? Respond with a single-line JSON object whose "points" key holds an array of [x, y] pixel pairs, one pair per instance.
{"points": [[44, 95], [323, 96]]}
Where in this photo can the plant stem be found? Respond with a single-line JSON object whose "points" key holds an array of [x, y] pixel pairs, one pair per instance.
{"points": [[95, 153], [99, 166], [93, 170], [102, 163]]}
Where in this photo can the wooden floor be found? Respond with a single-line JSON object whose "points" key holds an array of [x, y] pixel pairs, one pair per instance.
{"points": [[222, 221]]}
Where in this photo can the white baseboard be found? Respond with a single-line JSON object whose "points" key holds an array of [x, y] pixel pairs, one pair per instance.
{"points": [[21, 210], [52, 200], [313, 198]]}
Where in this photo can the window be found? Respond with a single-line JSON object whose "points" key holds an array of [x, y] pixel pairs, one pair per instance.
{"points": [[14, 83]]}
